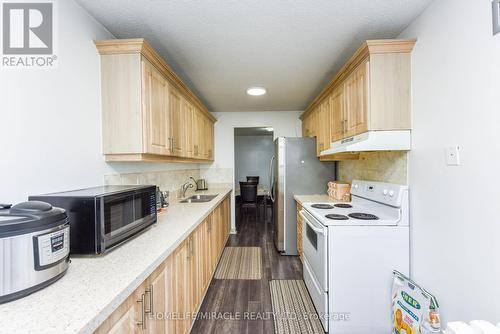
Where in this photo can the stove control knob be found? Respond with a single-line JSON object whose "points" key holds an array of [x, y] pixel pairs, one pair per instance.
{"points": [[391, 193], [385, 192]]}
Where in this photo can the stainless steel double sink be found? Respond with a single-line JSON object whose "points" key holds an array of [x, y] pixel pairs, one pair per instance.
{"points": [[199, 198]]}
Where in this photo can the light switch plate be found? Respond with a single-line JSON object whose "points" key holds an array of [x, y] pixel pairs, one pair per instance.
{"points": [[495, 4], [453, 156]]}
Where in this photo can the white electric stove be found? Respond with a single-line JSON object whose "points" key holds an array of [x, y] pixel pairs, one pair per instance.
{"points": [[350, 251]]}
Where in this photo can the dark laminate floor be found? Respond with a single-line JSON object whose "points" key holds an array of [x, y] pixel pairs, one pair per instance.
{"points": [[244, 306]]}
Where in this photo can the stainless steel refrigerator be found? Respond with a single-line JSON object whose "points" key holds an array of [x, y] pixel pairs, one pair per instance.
{"points": [[294, 169]]}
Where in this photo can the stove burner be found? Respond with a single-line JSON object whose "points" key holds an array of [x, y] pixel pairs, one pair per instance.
{"points": [[335, 216], [343, 205], [362, 216], [322, 206]]}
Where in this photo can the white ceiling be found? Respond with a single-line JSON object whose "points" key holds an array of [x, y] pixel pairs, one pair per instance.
{"points": [[221, 47]]}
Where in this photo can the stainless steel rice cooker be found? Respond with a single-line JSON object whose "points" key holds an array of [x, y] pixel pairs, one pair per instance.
{"points": [[34, 248]]}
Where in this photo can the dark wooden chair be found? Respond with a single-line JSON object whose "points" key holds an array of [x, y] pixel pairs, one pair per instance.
{"points": [[254, 179], [248, 197]]}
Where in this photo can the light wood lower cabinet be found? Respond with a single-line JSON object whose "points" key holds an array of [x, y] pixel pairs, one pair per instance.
{"points": [[299, 231], [126, 324], [167, 301]]}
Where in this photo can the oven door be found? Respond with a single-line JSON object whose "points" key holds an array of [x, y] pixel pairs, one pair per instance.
{"points": [[125, 214], [315, 248]]}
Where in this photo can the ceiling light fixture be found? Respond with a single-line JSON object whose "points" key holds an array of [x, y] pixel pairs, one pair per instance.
{"points": [[256, 91]]}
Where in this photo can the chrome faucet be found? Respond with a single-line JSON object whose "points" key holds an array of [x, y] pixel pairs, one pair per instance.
{"points": [[185, 187]]}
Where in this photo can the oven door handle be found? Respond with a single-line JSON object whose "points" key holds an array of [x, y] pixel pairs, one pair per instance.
{"points": [[314, 228]]}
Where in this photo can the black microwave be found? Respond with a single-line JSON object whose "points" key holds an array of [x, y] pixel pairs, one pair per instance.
{"points": [[103, 217]]}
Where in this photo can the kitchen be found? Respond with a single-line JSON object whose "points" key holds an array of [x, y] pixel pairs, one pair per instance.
{"points": [[72, 127]]}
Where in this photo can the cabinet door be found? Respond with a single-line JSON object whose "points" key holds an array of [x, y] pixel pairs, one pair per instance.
{"points": [[156, 127], [188, 133], [213, 243], [323, 131], [299, 233], [226, 219], [126, 324], [356, 101], [310, 125], [156, 304], [198, 251], [177, 127], [217, 223], [198, 134], [181, 288], [305, 127], [210, 140], [204, 256], [337, 115], [170, 294]]}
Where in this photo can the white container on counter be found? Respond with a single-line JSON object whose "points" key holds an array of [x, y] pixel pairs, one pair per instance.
{"points": [[484, 327]]}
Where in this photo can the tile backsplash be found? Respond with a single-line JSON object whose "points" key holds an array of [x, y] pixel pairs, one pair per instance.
{"points": [[172, 180], [216, 175], [391, 166]]}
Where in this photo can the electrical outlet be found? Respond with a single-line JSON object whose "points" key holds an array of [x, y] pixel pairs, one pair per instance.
{"points": [[453, 156]]}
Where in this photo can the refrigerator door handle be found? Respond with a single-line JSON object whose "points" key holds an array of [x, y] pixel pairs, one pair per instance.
{"points": [[271, 178]]}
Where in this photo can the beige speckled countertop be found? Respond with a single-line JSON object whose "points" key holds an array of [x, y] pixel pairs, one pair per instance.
{"points": [[312, 198], [94, 287]]}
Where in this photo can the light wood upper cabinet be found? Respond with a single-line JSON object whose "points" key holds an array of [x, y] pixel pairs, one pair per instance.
{"points": [[337, 114], [370, 93], [323, 130], [177, 126], [155, 111], [208, 135], [148, 113], [188, 120], [309, 124], [356, 101]]}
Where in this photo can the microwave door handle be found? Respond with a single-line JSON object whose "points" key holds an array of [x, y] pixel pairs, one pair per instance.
{"points": [[314, 228]]}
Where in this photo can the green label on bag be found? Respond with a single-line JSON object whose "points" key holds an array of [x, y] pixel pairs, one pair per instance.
{"points": [[410, 300]]}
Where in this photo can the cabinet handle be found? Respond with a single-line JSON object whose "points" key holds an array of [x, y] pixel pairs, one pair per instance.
{"points": [[149, 290], [189, 248], [142, 323]]}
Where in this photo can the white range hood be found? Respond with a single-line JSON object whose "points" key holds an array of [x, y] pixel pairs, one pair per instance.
{"points": [[390, 140]]}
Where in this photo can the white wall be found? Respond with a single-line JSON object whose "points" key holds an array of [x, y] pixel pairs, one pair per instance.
{"points": [[455, 211], [284, 123], [50, 119], [252, 156]]}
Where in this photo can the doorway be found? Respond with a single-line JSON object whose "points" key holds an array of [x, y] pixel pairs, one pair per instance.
{"points": [[253, 150]]}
